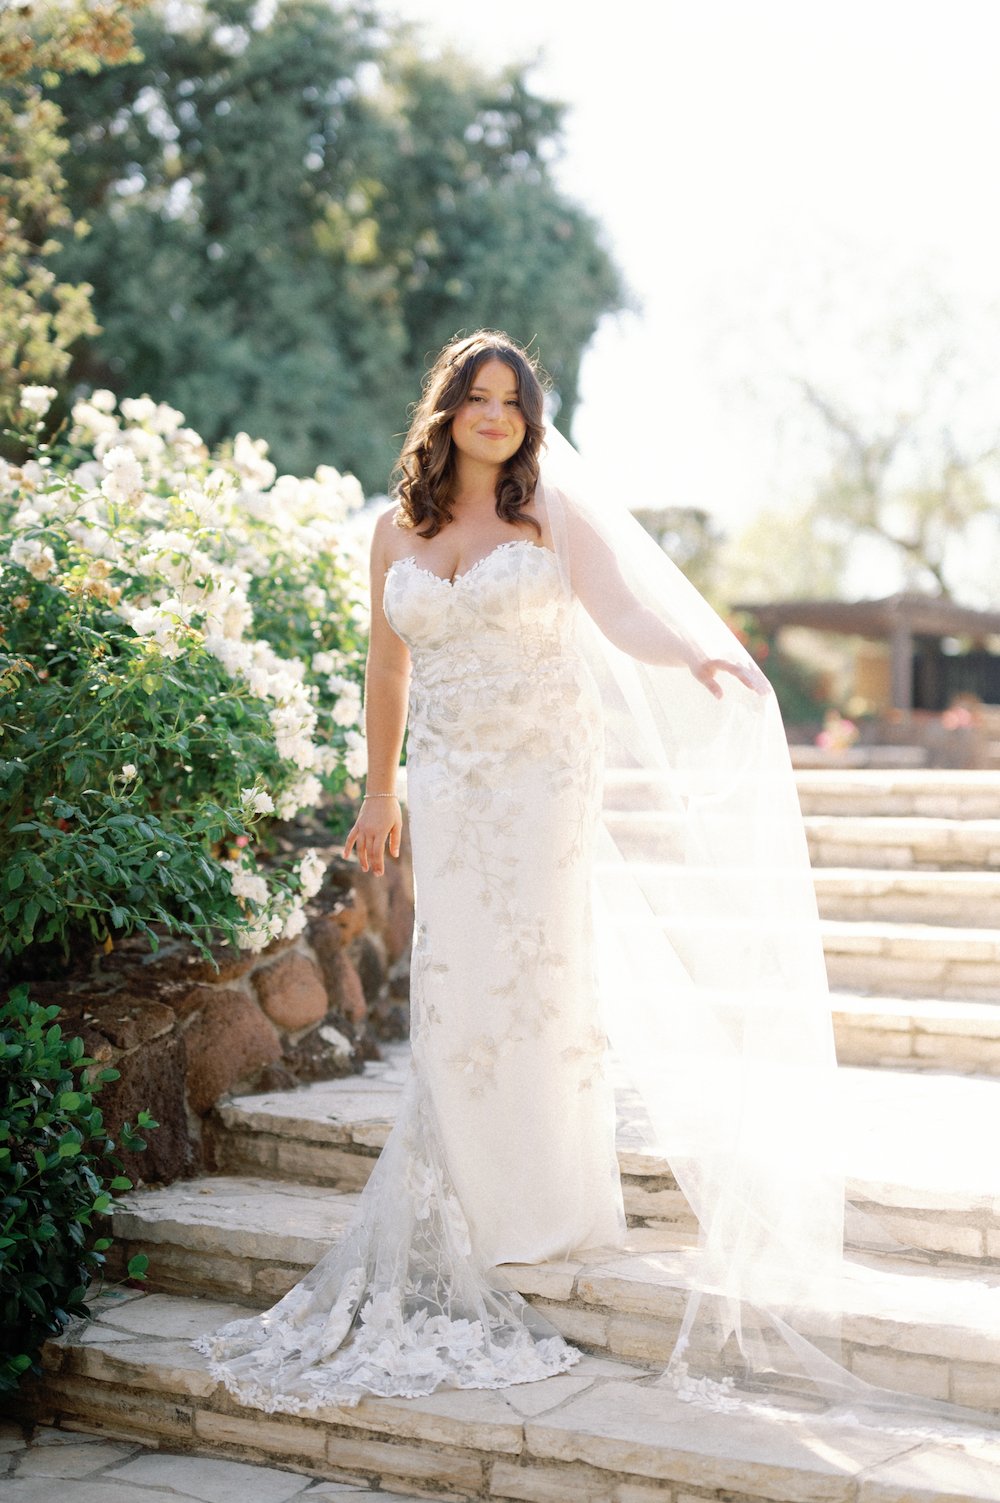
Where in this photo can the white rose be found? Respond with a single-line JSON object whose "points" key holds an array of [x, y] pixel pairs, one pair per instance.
{"points": [[35, 556], [347, 710], [138, 409], [36, 399], [356, 755], [251, 465], [312, 869], [256, 801], [245, 883], [294, 923], [103, 400], [123, 480]]}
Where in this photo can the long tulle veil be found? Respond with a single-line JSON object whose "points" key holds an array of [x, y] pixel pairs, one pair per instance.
{"points": [[714, 983]]}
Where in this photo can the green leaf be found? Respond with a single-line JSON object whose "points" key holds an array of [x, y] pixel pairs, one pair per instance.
{"points": [[138, 1266]]}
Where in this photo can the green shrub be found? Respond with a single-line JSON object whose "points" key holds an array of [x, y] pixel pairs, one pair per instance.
{"points": [[58, 1170], [182, 638]]}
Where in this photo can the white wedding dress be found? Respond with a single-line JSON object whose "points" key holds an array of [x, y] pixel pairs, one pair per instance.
{"points": [[504, 1147]]}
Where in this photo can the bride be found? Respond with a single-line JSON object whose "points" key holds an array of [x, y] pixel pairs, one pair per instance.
{"points": [[606, 840]]}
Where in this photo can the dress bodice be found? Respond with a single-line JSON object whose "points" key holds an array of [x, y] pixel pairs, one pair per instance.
{"points": [[498, 680], [509, 611]]}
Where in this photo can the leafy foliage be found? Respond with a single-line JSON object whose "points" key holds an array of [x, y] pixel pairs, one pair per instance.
{"points": [[58, 1171], [40, 315], [181, 654], [797, 687], [288, 216]]}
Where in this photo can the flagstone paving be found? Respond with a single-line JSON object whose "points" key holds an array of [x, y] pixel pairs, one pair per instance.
{"points": [[41, 1464]]}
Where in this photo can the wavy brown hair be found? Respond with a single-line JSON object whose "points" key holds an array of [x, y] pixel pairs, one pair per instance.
{"points": [[425, 469]]}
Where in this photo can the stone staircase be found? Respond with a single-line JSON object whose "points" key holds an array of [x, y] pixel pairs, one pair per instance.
{"points": [[907, 875], [904, 907]]}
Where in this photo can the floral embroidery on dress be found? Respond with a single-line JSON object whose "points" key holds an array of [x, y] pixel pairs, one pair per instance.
{"points": [[504, 754]]}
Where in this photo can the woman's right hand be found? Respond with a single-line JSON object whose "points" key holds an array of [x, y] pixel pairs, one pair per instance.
{"points": [[378, 818]]}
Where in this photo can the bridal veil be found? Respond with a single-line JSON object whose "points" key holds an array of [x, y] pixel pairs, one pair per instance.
{"points": [[714, 983]]}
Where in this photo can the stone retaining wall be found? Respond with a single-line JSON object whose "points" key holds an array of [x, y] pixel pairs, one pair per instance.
{"points": [[183, 1033]]}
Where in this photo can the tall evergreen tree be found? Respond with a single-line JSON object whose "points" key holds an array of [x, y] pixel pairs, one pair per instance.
{"points": [[286, 218]]}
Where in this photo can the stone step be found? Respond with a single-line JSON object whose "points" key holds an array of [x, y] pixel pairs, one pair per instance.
{"points": [[951, 899], [899, 842], [936, 793], [903, 842], [926, 793], [915, 1033], [604, 1432], [936, 1333], [913, 960], [965, 899], [919, 1150]]}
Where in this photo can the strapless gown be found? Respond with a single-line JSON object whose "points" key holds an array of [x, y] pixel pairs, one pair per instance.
{"points": [[504, 1147]]}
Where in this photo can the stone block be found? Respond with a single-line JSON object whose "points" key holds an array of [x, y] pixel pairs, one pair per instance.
{"points": [[323, 1165], [543, 1484], [935, 1474], [648, 1433], [124, 1019], [272, 1282], [344, 991], [372, 965], [430, 1466], [590, 1327], [228, 1040], [123, 1411], [292, 1439], [551, 1280], [239, 1152], [927, 1376], [171, 1367], [641, 1338], [471, 1419], [977, 1384], [153, 1078], [935, 1234], [291, 991]]}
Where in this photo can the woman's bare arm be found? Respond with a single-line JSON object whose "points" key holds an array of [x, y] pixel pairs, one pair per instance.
{"points": [[632, 626], [387, 681]]}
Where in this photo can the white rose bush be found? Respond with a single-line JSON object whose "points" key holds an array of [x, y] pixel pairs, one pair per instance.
{"points": [[181, 659]]}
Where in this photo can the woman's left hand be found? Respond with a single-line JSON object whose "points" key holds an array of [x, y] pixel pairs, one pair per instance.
{"points": [[747, 673]]}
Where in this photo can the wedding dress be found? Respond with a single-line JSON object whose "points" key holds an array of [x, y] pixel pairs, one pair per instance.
{"points": [[504, 1147], [600, 847]]}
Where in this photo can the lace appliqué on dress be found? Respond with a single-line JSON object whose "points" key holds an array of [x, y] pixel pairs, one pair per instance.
{"points": [[400, 1307]]}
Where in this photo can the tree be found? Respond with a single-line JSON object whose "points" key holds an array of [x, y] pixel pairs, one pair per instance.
{"points": [[42, 316], [880, 485], [690, 536], [288, 216]]}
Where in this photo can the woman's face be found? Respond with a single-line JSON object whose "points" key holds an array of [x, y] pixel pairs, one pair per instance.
{"points": [[489, 426]]}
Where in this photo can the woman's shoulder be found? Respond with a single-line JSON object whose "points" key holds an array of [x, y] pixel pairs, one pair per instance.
{"points": [[391, 534]]}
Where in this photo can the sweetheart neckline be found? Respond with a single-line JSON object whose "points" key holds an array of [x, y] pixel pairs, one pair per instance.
{"points": [[410, 558]]}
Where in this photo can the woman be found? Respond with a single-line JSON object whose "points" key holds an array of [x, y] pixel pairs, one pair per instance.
{"points": [[605, 835]]}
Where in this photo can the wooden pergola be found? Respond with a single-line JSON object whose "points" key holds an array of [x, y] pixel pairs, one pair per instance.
{"points": [[898, 620]]}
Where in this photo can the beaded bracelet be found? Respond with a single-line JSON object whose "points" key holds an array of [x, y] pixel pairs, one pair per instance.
{"points": [[380, 795]]}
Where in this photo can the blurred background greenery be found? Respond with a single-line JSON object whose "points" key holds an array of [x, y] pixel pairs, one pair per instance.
{"points": [[280, 223]]}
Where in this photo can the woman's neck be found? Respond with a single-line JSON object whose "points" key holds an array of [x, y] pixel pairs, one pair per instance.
{"points": [[475, 487]]}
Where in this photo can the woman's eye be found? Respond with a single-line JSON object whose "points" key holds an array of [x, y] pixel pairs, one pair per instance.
{"points": [[514, 403]]}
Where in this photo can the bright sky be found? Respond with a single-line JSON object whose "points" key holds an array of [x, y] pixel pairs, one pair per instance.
{"points": [[779, 180]]}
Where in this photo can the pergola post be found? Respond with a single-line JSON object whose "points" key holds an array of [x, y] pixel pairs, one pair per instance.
{"points": [[901, 643]]}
